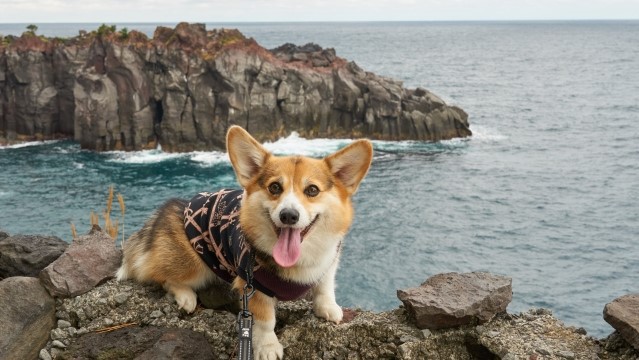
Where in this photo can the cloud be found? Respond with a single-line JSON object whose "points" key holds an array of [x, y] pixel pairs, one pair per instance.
{"points": [[295, 10]]}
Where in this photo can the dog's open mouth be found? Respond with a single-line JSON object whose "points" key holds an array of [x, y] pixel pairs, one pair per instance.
{"points": [[287, 250], [304, 231]]}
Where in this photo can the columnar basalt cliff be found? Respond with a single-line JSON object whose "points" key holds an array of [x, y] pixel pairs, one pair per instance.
{"points": [[183, 88]]}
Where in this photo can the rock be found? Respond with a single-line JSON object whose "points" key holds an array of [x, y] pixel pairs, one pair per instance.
{"points": [[3, 234], [88, 261], [73, 331], [453, 299], [186, 86], [63, 324], [44, 355], [310, 54], [623, 314], [27, 255], [58, 344], [27, 314], [140, 343], [566, 354], [121, 298], [59, 334]]}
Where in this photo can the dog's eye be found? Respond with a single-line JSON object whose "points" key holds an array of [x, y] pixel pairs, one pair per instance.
{"points": [[275, 188], [311, 191]]}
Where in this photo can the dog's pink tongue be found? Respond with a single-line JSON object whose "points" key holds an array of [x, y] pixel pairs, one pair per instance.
{"points": [[287, 249]]}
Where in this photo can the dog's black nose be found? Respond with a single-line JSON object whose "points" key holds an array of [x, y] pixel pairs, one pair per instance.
{"points": [[289, 216]]}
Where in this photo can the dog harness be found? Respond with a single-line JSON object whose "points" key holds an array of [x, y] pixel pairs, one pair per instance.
{"points": [[212, 224]]}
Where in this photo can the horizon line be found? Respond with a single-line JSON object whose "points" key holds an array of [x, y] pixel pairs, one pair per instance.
{"points": [[319, 21]]}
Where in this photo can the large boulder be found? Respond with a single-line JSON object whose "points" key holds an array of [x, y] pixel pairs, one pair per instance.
{"points": [[88, 261], [623, 314], [27, 315], [27, 255], [454, 299], [142, 343]]}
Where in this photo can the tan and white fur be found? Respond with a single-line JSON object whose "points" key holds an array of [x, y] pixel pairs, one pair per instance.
{"points": [[317, 191]]}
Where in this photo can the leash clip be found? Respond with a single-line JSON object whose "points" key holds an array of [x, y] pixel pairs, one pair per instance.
{"points": [[245, 317], [245, 335]]}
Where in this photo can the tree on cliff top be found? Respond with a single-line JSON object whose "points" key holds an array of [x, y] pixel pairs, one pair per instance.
{"points": [[32, 28]]}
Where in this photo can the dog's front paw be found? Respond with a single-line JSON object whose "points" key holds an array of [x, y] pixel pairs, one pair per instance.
{"points": [[267, 347], [186, 300], [327, 309]]}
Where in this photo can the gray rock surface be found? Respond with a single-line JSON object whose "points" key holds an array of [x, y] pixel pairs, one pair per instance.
{"points": [[27, 255], [186, 86], [3, 234], [27, 314], [453, 299], [623, 314], [361, 335], [88, 261], [152, 343]]}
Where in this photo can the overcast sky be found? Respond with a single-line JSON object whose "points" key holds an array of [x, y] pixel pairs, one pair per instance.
{"points": [[35, 11]]}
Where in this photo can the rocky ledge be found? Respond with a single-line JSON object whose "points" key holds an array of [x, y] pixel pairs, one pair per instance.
{"points": [[449, 316], [184, 87]]}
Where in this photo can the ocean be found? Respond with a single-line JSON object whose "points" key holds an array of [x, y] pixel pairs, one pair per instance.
{"points": [[546, 191]]}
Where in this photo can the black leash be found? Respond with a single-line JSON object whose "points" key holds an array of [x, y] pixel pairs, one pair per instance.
{"points": [[245, 317]]}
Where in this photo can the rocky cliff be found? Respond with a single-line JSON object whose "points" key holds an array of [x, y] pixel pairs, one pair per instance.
{"points": [[184, 87]]}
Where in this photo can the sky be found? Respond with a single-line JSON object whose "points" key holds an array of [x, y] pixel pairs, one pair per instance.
{"points": [[38, 11]]}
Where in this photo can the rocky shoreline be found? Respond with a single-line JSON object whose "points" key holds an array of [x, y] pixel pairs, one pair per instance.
{"points": [[181, 89], [450, 316]]}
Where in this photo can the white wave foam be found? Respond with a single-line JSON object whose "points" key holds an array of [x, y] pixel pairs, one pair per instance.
{"points": [[143, 156], [296, 145], [395, 145], [28, 143], [206, 158], [482, 133]]}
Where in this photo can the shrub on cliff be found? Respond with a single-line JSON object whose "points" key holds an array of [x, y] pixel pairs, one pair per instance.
{"points": [[124, 33], [105, 29]]}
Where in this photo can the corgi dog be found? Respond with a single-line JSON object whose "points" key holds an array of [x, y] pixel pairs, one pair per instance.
{"points": [[286, 224]]}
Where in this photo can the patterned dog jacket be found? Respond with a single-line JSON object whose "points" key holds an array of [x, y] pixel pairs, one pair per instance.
{"points": [[212, 224]]}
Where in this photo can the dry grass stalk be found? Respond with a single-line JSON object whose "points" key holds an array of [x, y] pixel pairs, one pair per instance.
{"points": [[113, 328], [74, 232], [122, 210], [109, 200], [95, 220], [110, 226], [112, 230]]}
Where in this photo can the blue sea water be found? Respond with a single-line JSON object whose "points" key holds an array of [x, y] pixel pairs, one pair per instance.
{"points": [[546, 191]]}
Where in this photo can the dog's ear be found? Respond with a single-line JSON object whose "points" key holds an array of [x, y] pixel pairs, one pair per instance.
{"points": [[351, 164], [246, 154]]}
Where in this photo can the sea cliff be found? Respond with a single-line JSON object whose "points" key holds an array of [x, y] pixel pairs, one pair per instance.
{"points": [[120, 90]]}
